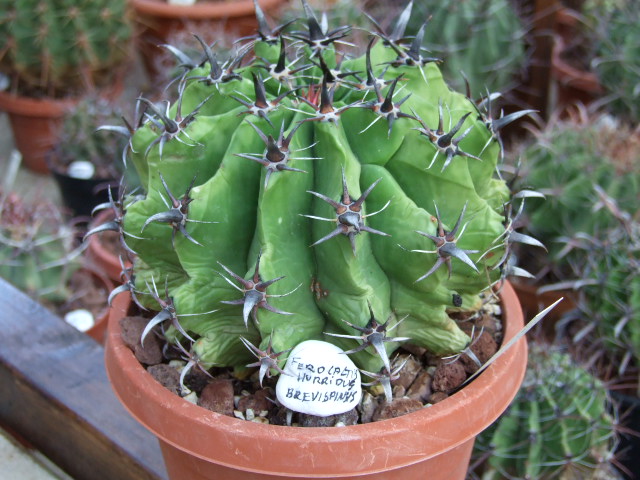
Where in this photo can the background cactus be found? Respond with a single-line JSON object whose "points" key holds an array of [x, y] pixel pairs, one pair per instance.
{"points": [[617, 53], [59, 47], [81, 140], [567, 159], [281, 208], [485, 40], [561, 425], [38, 248], [593, 176]]}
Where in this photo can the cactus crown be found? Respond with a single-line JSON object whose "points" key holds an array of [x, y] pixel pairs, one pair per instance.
{"points": [[298, 191], [59, 47]]}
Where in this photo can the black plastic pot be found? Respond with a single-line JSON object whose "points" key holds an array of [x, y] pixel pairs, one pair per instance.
{"points": [[81, 195]]}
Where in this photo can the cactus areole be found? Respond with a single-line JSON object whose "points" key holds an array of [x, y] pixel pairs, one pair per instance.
{"points": [[300, 190]]}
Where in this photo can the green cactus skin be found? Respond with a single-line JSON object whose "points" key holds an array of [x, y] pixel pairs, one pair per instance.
{"points": [[483, 39], [560, 425], [61, 46], [38, 253], [321, 280]]}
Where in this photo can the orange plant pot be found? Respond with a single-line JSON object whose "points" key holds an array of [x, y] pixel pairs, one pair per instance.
{"points": [[35, 124], [158, 22], [434, 443]]}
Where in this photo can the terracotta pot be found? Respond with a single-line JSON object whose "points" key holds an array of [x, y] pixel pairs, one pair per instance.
{"points": [[103, 258], [35, 124], [434, 443], [159, 22]]}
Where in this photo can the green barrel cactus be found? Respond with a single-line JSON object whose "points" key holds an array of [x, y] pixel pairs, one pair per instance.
{"points": [[561, 425], [61, 46], [293, 192]]}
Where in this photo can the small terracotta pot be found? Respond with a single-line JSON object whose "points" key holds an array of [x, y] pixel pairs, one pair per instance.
{"points": [[158, 22], [35, 124], [103, 258], [434, 443]]}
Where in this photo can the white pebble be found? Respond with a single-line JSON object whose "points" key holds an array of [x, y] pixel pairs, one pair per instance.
{"points": [[80, 319]]}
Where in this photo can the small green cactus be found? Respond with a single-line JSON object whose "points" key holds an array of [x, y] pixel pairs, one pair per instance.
{"points": [[293, 192], [38, 248], [81, 140], [59, 47], [561, 425]]}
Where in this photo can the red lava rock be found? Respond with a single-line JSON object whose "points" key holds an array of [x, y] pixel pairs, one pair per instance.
{"points": [[258, 402], [167, 376], [408, 373], [448, 376], [397, 408], [420, 389], [484, 347], [217, 396], [132, 328], [196, 380], [367, 407], [437, 397]]}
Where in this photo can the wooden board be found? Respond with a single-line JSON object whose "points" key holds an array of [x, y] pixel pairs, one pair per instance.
{"points": [[54, 394]]}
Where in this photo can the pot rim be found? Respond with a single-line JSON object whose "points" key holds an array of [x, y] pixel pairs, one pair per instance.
{"points": [[202, 10], [46, 107], [365, 448]]}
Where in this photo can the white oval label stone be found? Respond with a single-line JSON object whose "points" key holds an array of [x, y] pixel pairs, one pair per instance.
{"points": [[319, 380], [81, 319]]}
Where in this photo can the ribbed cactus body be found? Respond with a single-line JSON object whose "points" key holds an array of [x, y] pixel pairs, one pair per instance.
{"points": [[560, 425], [482, 39], [60, 44], [270, 221]]}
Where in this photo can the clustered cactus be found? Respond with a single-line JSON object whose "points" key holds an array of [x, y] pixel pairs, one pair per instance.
{"points": [[561, 425], [60, 47], [296, 191]]}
